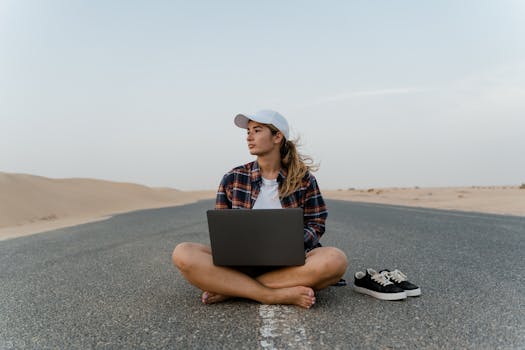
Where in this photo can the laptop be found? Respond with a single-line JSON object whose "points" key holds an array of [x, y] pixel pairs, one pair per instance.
{"points": [[259, 237]]}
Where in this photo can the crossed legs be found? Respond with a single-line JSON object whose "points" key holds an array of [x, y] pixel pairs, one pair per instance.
{"points": [[291, 285]]}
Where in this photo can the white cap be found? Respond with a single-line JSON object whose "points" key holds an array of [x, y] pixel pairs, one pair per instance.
{"points": [[265, 116]]}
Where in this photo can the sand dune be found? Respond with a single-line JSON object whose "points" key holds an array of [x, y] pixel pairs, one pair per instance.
{"points": [[30, 204]]}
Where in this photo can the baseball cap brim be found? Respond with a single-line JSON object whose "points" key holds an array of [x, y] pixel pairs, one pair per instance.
{"points": [[241, 121]]}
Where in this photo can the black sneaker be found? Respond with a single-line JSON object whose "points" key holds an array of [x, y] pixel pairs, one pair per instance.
{"points": [[400, 280], [377, 285]]}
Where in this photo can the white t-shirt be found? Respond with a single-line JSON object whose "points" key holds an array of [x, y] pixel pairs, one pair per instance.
{"points": [[268, 195]]}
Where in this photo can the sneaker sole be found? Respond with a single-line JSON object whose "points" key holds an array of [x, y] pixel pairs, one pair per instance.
{"points": [[413, 292], [382, 296]]}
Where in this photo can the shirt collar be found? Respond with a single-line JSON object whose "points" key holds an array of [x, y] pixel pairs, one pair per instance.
{"points": [[255, 175]]}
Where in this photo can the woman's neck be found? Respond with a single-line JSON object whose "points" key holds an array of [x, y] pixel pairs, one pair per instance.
{"points": [[270, 165]]}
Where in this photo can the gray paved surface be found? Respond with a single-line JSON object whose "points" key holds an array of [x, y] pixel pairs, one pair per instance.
{"points": [[111, 285]]}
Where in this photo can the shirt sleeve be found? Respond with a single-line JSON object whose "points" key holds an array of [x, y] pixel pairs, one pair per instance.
{"points": [[223, 200], [315, 215]]}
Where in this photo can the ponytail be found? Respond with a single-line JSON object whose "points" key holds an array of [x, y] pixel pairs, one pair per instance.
{"points": [[296, 165]]}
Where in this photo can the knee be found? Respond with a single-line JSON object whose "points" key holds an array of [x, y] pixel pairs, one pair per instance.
{"points": [[181, 255], [335, 262]]}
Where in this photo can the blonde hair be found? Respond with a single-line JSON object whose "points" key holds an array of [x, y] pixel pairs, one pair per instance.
{"points": [[295, 163]]}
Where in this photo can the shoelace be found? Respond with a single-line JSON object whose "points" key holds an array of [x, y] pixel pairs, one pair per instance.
{"points": [[381, 278], [397, 276]]}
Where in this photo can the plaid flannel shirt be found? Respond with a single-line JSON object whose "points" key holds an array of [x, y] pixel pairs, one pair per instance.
{"points": [[240, 187]]}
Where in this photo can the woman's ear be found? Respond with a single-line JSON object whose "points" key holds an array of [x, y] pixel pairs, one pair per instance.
{"points": [[278, 137]]}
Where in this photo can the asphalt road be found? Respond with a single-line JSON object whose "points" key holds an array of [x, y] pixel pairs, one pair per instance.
{"points": [[111, 284]]}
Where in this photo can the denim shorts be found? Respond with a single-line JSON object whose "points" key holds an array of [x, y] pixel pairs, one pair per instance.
{"points": [[254, 271]]}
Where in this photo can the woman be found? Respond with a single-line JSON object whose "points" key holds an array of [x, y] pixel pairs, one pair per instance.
{"points": [[279, 178]]}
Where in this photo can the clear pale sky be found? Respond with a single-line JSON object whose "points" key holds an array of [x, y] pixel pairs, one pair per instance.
{"points": [[382, 93]]}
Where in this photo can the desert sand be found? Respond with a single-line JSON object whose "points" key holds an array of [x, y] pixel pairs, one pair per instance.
{"points": [[506, 200], [31, 204]]}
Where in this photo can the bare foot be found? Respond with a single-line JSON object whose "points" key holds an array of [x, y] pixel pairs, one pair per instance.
{"points": [[300, 296], [212, 298]]}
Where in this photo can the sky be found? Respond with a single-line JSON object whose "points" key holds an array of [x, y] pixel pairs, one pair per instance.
{"points": [[380, 93]]}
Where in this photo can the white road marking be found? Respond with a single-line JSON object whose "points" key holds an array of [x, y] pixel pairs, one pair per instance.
{"points": [[281, 328]]}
